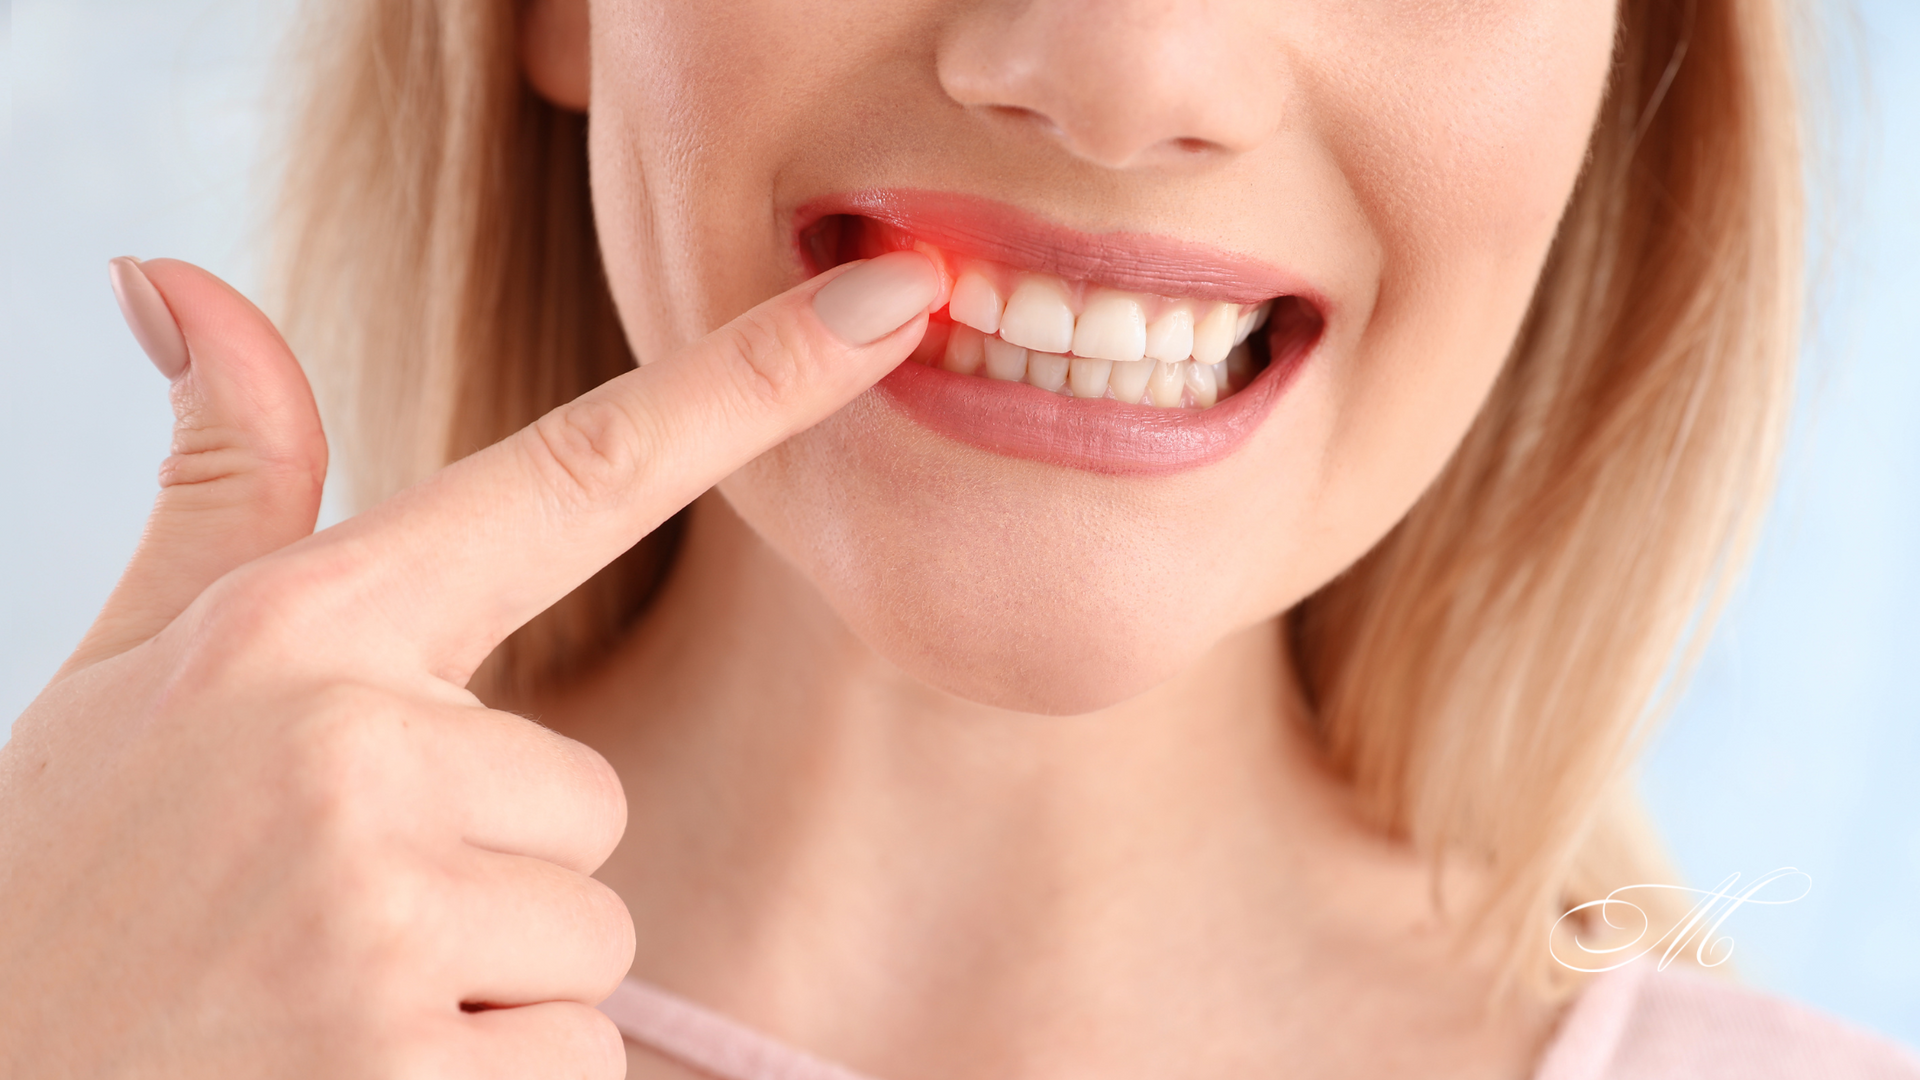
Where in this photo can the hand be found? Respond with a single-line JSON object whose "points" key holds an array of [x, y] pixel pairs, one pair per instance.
{"points": [[257, 825]]}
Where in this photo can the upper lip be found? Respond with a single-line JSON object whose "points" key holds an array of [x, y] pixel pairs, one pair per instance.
{"points": [[967, 225]]}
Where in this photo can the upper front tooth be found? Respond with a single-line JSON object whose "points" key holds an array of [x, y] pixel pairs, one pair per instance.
{"points": [[1213, 333], [1251, 321], [1037, 316], [1113, 326], [976, 302], [1170, 338]]}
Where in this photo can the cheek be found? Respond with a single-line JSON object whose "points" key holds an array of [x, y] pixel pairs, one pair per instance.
{"points": [[698, 110], [1463, 131], [1465, 151]]}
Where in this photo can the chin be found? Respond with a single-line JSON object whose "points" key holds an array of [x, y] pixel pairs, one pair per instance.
{"points": [[1016, 643], [1009, 583]]}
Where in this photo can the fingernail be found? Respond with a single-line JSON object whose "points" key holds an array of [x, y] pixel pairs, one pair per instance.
{"points": [[877, 297], [148, 316]]}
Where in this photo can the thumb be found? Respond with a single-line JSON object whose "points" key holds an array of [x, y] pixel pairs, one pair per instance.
{"points": [[248, 456]]}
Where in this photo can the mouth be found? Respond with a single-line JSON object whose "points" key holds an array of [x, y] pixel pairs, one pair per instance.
{"points": [[1114, 352]]}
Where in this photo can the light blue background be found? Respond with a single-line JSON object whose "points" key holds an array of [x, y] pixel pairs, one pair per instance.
{"points": [[135, 128]]}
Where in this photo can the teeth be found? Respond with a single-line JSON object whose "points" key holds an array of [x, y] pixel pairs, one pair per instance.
{"points": [[1166, 384], [966, 351], [1200, 384], [1113, 326], [1038, 317], [1087, 378], [1128, 381], [1191, 354], [1251, 321], [1005, 361], [1047, 370], [1170, 338], [976, 302], [1213, 334]]}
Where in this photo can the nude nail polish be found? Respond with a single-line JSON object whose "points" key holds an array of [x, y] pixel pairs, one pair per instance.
{"points": [[148, 316], [877, 297]]}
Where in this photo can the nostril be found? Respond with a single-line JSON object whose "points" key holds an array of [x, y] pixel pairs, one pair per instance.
{"points": [[1022, 115]]}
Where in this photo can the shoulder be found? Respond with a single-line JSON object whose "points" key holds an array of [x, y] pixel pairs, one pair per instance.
{"points": [[1641, 1024]]}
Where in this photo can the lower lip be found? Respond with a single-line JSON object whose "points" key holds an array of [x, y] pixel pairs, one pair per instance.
{"points": [[1022, 421]]}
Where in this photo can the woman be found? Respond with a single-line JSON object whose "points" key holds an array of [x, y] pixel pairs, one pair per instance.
{"points": [[1213, 652]]}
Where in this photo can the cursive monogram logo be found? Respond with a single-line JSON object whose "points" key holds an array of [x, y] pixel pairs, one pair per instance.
{"points": [[1703, 921]]}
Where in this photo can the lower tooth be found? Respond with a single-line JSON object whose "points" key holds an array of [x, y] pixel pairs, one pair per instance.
{"points": [[1048, 371], [1201, 382], [966, 350], [1128, 381], [1088, 377], [1166, 383], [1004, 360]]}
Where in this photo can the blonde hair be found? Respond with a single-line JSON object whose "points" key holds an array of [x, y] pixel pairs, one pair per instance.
{"points": [[1482, 676]]}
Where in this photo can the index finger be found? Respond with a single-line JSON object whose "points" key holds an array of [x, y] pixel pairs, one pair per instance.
{"points": [[446, 569]]}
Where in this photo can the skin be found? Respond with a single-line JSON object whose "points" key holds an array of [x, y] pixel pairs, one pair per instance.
{"points": [[1411, 159], [1116, 891], [258, 827]]}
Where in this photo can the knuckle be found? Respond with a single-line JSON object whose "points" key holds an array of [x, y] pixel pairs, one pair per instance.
{"points": [[596, 801], [267, 607], [204, 454], [410, 1052], [611, 924], [384, 904], [202, 467], [602, 800], [590, 450], [607, 799], [347, 760], [384, 924], [584, 1039], [603, 1052], [214, 468], [431, 1049], [248, 604], [775, 359]]}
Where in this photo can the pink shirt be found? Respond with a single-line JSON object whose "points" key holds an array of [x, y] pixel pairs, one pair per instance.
{"points": [[1629, 1024]]}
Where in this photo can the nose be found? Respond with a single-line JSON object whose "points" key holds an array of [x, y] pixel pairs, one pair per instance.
{"points": [[1125, 84]]}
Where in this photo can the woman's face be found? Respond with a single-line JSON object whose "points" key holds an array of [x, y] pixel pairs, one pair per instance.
{"points": [[1104, 180]]}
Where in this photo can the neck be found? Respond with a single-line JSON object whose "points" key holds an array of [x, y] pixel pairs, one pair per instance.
{"points": [[815, 837]]}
